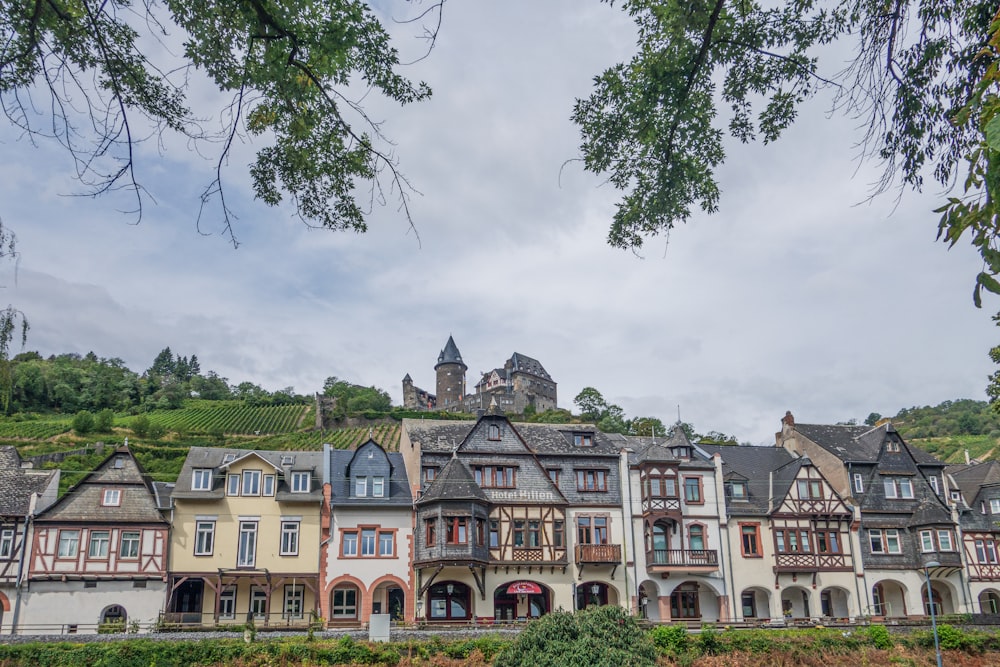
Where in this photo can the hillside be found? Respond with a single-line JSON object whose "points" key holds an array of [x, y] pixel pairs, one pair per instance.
{"points": [[950, 428]]}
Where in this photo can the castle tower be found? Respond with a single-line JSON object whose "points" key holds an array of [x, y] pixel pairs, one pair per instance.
{"points": [[450, 376]]}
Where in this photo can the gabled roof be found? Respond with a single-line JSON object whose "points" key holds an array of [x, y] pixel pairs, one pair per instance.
{"points": [[862, 444], [242, 457], [83, 502], [970, 477], [520, 363], [397, 490], [17, 484], [762, 467], [214, 458], [443, 436], [454, 482]]}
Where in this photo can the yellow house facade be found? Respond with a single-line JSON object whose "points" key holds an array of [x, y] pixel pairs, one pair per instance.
{"points": [[245, 539]]}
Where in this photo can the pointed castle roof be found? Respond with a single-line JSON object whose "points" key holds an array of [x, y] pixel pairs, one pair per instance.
{"points": [[450, 354]]}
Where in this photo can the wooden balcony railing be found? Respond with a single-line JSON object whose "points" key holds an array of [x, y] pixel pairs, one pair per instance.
{"points": [[810, 562], [655, 504], [682, 558], [599, 553]]}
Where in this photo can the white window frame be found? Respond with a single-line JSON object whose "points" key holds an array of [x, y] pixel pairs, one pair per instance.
{"points": [[301, 482], [132, 538], [258, 602], [926, 541], [99, 544], [378, 487], [945, 542], [68, 538], [906, 488], [111, 498], [892, 537], [898, 488], [350, 538], [201, 479], [294, 601], [859, 483], [360, 487], [7, 543], [268, 485], [204, 538], [233, 485], [994, 505], [289, 538], [933, 481], [227, 603], [251, 483], [246, 555], [386, 537]]}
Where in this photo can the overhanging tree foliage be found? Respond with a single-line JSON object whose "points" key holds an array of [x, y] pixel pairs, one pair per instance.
{"points": [[85, 74]]}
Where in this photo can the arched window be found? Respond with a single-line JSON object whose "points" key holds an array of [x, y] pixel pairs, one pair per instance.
{"points": [[449, 601], [344, 602]]}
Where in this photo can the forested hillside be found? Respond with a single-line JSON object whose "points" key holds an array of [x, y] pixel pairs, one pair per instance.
{"points": [[949, 429]]}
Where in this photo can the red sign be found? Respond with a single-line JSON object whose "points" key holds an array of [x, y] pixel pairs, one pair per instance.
{"points": [[524, 588]]}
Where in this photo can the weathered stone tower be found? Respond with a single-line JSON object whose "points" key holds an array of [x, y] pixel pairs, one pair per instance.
{"points": [[450, 376]]}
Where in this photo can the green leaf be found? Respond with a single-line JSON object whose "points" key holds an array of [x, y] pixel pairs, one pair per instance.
{"points": [[989, 282], [993, 133]]}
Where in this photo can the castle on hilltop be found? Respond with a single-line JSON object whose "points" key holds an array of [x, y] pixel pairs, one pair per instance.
{"points": [[521, 382]]}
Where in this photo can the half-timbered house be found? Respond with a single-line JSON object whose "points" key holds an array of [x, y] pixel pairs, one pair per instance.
{"points": [[99, 554], [513, 520], [974, 489], [23, 493], [789, 538]]}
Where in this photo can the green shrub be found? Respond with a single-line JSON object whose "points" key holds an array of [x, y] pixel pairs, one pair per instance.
{"points": [[708, 642], [104, 421], [952, 638], [598, 637], [670, 640], [879, 636], [140, 426], [83, 422]]}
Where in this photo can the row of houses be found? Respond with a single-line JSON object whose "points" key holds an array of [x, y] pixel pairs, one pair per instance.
{"points": [[493, 521]]}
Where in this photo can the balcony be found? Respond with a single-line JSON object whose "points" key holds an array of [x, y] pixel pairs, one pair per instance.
{"points": [[811, 563], [665, 560], [655, 505], [599, 554]]}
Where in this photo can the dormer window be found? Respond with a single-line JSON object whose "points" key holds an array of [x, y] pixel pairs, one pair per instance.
{"points": [[493, 432], [738, 490], [228, 458], [892, 446], [112, 497], [994, 505], [583, 439], [201, 479], [360, 487], [898, 487], [378, 487], [119, 462], [251, 482], [300, 482], [956, 496], [934, 484], [287, 459], [682, 452]]}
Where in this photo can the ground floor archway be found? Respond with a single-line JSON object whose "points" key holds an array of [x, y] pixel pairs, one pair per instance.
{"points": [[521, 600], [449, 601], [834, 602], [595, 593], [796, 602], [989, 602], [755, 602], [345, 603], [114, 613], [943, 601], [888, 598]]}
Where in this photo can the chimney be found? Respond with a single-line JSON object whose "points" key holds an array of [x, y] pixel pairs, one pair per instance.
{"points": [[967, 461], [788, 418]]}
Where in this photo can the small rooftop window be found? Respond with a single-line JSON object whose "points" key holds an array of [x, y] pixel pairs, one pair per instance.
{"points": [[287, 459], [583, 439], [228, 458]]}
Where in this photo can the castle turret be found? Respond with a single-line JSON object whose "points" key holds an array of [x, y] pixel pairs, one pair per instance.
{"points": [[450, 376]]}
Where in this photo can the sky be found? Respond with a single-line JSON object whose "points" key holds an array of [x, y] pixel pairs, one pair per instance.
{"points": [[799, 294]]}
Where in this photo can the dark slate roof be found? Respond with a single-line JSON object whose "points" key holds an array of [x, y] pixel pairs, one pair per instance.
{"points": [[971, 477], [520, 363], [213, 458], [450, 354], [161, 492], [82, 503], [16, 486], [646, 449], [860, 443], [407, 378], [454, 482], [340, 483], [759, 466], [9, 458], [438, 435]]}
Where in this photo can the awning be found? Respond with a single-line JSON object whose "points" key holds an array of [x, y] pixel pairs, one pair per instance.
{"points": [[524, 588]]}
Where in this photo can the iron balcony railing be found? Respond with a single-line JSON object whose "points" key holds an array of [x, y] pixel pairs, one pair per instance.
{"points": [[683, 558]]}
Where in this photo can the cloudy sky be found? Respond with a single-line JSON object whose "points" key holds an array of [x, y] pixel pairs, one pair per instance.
{"points": [[796, 296]]}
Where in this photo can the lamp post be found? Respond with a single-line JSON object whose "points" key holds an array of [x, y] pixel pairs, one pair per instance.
{"points": [[930, 603]]}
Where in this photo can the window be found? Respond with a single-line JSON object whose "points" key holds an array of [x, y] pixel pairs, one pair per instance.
{"points": [[204, 538], [898, 487], [791, 540], [350, 543], [810, 489], [944, 540], [884, 541], [345, 603], [247, 554], [228, 458], [251, 482], [227, 602], [378, 487], [494, 533], [986, 551], [289, 538], [662, 486], [386, 544], [750, 540], [493, 432], [201, 479], [592, 529], [892, 446], [583, 439], [233, 485], [268, 485], [994, 505], [738, 490], [287, 459], [933, 481], [692, 490], [554, 475], [129, 546], [119, 462], [926, 541], [300, 482], [258, 602], [456, 530], [69, 543], [7, 543], [827, 541], [360, 487], [430, 532], [99, 542], [591, 480], [859, 484], [429, 473], [368, 542], [696, 537], [294, 596], [111, 498], [495, 477], [558, 533], [534, 534]]}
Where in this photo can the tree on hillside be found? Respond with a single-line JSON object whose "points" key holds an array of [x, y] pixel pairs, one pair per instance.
{"points": [[13, 323], [284, 65], [591, 404], [354, 398]]}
